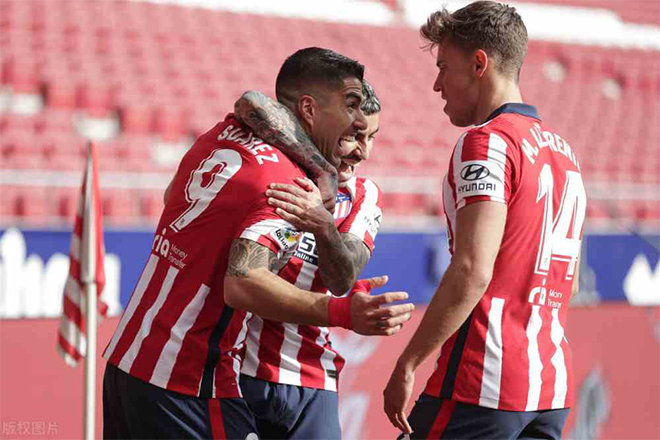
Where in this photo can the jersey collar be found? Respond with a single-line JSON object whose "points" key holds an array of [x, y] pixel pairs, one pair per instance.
{"points": [[521, 109]]}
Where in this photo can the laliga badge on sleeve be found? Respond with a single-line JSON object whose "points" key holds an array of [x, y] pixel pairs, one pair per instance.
{"points": [[287, 238]]}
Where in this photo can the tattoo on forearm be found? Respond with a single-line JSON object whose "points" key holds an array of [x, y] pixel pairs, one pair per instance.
{"points": [[276, 124], [341, 260], [246, 255]]}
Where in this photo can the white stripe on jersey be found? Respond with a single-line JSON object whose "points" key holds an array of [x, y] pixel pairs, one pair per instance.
{"points": [[359, 227], [132, 304], [251, 358], [492, 375], [163, 370], [559, 362], [306, 275], [289, 366], [327, 359], [449, 203], [535, 365], [497, 156], [127, 360], [351, 186], [264, 227], [240, 339], [457, 165]]}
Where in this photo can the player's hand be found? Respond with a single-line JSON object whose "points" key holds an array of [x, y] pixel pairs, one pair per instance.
{"points": [[327, 184], [397, 395], [301, 205], [370, 316]]}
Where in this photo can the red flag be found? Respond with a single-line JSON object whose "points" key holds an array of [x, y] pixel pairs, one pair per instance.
{"points": [[86, 265]]}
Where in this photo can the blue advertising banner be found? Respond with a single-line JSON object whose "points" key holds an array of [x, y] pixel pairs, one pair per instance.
{"points": [[34, 265]]}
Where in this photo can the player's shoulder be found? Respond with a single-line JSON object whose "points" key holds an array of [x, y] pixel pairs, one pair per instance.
{"points": [[504, 126], [264, 160], [363, 187]]}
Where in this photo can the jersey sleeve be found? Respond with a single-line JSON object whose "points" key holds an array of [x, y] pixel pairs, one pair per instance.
{"points": [[366, 213], [483, 168], [261, 223]]}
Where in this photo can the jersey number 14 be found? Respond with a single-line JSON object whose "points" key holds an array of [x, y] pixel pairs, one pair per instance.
{"points": [[560, 233]]}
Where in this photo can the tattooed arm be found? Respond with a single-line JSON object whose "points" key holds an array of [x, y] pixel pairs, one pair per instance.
{"points": [[341, 256], [274, 123], [341, 259], [249, 285]]}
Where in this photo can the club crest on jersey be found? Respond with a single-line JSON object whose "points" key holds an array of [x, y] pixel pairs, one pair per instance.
{"points": [[287, 238], [342, 206]]}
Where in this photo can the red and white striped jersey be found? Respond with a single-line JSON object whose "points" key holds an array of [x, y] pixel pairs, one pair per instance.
{"points": [[303, 355], [176, 332], [511, 353]]}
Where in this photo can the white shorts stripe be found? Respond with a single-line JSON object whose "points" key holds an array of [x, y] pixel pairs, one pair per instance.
{"points": [[167, 358], [559, 362], [127, 360], [132, 304], [492, 377], [535, 365]]}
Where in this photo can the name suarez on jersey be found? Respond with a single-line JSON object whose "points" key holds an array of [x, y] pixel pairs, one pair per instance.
{"points": [[545, 139], [250, 142]]}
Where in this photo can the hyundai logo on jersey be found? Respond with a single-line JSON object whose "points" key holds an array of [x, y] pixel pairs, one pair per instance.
{"points": [[474, 172]]}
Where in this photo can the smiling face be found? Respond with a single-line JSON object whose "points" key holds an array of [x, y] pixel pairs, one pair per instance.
{"points": [[338, 119], [457, 83], [360, 149]]}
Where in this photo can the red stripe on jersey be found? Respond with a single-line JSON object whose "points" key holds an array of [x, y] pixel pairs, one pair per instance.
{"points": [[442, 419], [312, 376], [145, 361], [133, 326], [470, 377], [270, 344], [217, 422]]}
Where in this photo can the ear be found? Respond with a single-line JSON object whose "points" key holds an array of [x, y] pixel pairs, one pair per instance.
{"points": [[307, 109], [481, 61]]}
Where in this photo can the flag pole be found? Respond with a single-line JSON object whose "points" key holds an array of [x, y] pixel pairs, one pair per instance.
{"points": [[90, 362]]}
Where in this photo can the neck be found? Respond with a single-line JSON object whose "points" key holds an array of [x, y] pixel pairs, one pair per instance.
{"points": [[501, 91]]}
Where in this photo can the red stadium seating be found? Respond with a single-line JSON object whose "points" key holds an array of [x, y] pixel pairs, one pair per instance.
{"points": [[170, 72]]}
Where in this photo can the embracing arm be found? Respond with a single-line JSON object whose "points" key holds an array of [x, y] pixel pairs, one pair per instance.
{"points": [[276, 124], [341, 259], [249, 285]]}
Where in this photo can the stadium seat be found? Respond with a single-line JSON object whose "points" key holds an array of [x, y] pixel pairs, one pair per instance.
{"points": [[171, 71]]}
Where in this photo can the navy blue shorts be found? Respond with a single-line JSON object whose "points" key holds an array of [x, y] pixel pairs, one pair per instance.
{"points": [[436, 418], [134, 409], [292, 412]]}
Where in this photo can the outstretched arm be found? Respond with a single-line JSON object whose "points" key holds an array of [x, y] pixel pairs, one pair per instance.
{"points": [[249, 285], [276, 124]]}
